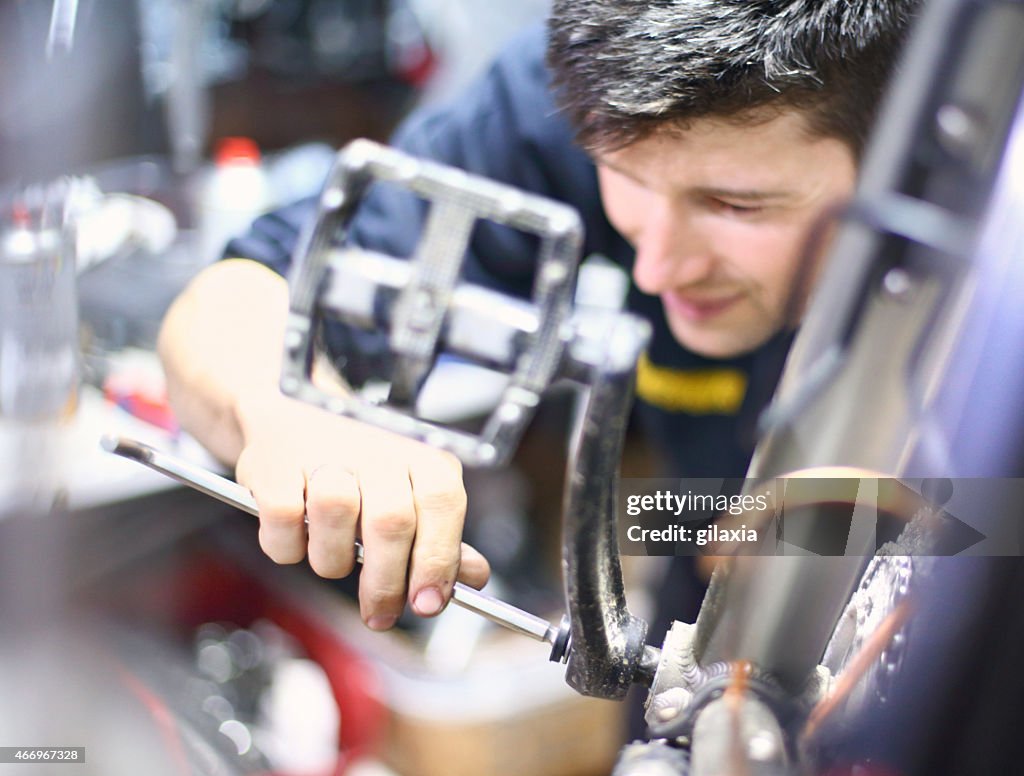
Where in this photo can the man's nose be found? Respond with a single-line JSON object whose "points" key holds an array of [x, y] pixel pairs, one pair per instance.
{"points": [[671, 252]]}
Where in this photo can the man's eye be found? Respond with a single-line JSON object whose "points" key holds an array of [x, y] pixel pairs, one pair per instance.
{"points": [[742, 210]]}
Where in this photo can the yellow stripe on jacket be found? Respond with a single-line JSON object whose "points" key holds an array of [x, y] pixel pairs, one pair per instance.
{"points": [[703, 391]]}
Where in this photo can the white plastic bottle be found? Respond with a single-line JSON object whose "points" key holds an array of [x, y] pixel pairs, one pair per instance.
{"points": [[235, 192], [39, 359]]}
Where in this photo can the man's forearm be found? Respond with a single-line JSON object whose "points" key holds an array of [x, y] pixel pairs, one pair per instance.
{"points": [[221, 345]]}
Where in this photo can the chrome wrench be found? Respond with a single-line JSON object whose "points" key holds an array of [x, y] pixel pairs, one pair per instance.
{"points": [[238, 496]]}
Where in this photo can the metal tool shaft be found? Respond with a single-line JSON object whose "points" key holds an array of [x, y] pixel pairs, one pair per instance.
{"points": [[238, 496]]}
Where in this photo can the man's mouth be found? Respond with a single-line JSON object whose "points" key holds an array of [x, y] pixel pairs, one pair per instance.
{"points": [[696, 307]]}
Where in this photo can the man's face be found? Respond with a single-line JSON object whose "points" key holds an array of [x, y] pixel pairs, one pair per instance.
{"points": [[718, 214]]}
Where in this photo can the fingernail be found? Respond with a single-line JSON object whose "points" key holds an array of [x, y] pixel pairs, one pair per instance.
{"points": [[428, 601], [381, 622]]}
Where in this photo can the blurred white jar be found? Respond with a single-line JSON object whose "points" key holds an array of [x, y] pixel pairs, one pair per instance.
{"points": [[233, 194], [39, 354]]}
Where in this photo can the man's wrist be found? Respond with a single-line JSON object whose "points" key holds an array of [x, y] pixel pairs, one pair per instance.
{"points": [[257, 407]]}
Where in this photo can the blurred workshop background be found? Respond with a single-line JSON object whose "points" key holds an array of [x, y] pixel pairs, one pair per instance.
{"points": [[139, 618]]}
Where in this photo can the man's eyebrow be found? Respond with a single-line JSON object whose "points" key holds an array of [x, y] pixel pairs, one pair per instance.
{"points": [[745, 195]]}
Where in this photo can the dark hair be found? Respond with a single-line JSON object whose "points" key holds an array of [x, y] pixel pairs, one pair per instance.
{"points": [[623, 68]]}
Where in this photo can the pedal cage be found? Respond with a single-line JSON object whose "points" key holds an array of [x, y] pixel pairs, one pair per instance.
{"points": [[423, 303]]}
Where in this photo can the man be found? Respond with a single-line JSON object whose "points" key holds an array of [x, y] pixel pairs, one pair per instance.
{"points": [[712, 136]]}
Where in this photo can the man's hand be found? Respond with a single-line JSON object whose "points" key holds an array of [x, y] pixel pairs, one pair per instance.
{"points": [[221, 345], [404, 499]]}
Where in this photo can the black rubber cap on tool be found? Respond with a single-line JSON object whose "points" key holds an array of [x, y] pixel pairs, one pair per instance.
{"points": [[563, 642]]}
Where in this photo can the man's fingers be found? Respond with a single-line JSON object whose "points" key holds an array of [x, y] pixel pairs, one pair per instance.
{"points": [[388, 525], [407, 504], [440, 501], [332, 506], [279, 495], [474, 569]]}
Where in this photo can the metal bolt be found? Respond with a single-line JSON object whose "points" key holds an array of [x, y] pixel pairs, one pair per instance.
{"points": [[958, 131], [292, 340], [561, 223], [511, 204], [553, 273], [407, 170], [510, 413], [486, 454], [333, 198], [897, 283]]}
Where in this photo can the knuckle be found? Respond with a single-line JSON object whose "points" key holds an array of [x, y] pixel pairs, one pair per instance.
{"points": [[449, 499], [441, 464], [334, 506], [452, 462], [379, 597], [281, 555], [438, 557], [393, 526], [436, 566], [281, 513]]}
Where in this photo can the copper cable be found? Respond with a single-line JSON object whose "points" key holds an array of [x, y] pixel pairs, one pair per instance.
{"points": [[858, 666]]}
